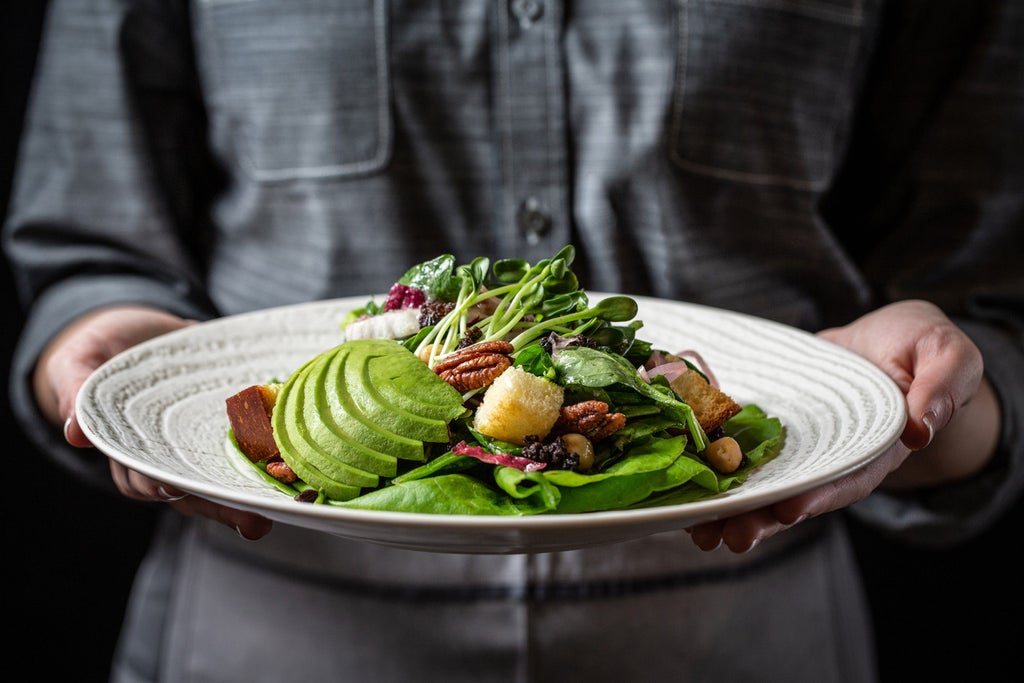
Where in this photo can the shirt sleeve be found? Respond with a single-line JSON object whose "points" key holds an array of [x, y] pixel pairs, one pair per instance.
{"points": [[939, 218], [106, 206]]}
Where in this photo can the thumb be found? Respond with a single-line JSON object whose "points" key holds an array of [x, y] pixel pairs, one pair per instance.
{"points": [[74, 434], [943, 380], [66, 380]]}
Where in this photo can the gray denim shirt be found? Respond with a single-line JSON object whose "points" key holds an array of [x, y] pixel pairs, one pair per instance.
{"points": [[801, 160]]}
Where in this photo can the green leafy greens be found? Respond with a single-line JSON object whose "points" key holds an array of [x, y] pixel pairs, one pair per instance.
{"points": [[654, 460]]}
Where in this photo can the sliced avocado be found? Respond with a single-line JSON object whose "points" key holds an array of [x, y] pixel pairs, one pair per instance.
{"points": [[334, 423], [291, 455], [319, 481], [407, 382], [344, 415], [341, 425], [303, 446], [355, 380]]}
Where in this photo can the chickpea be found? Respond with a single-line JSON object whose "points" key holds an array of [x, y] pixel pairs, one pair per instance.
{"points": [[582, 447], [424, 354], [724, 454]]}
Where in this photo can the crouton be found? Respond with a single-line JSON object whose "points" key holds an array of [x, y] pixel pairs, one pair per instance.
{"points": [[711, 406], [518, 404]]}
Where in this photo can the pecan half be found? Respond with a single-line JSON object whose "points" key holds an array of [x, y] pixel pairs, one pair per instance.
{"points": [[475, 366], [589, 418], [280, 470]]}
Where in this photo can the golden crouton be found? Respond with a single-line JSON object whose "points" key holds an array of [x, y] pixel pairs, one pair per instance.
{"points": [[710, 405], [518, 404]]}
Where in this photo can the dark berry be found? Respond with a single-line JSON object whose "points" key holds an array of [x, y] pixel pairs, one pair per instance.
{"points": [[403, 296], [431, 312]]}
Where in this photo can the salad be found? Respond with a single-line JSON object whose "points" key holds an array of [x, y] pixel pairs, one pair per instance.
{"points": [[499, 389]]}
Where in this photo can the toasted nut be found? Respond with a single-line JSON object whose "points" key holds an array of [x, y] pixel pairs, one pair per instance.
{"points": [[582, 447], [456, 357], [475, 366], [724, 454], [589, 418], [280, 470]]}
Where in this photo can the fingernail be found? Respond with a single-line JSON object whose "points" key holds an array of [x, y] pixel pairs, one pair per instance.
{"points": [[241, 535], [169, 497], [929, 421], [67, 426]]}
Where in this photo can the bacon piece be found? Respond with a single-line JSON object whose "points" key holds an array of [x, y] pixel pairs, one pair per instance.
{"points": [[249, 413]]}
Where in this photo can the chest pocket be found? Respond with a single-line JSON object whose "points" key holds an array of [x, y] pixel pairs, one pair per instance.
{"points": [[763, 88], [297, 89]]}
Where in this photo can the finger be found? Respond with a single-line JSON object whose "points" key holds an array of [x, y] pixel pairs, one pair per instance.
{"points": [[842, 492], [119, 474], [66, 378], [740, 533], [138, 486], [249, 525], [743, 532], [947, 371], [65, 374], [74, 434], [708, 535]]}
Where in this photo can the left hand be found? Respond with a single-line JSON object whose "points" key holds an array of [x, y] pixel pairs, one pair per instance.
{"points": [[73, 355], [939, 370]]}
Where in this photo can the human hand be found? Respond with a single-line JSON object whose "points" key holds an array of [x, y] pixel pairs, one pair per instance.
{"points": [[72, 356], [939, 370]]}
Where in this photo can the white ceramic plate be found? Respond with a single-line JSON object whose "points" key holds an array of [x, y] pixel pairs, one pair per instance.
{"points": [[159, 409]]}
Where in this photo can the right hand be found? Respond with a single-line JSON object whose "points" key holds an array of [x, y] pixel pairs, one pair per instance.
{"points": [[73, 355]]}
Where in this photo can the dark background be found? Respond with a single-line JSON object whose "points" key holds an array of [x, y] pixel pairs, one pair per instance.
{"points": [[71, 552]]}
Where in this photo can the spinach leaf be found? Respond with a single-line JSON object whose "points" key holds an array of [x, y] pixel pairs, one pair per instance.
{"points": [[655, 465], [758, 435], [447, 494], [442, 464], [579, 365], [435, 277]]}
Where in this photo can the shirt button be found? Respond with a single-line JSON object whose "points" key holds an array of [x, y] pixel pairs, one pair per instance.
{"points": [[533, 221], [527, 11]]}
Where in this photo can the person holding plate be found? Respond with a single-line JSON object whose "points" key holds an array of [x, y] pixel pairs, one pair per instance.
{"points": [[848, 168]]}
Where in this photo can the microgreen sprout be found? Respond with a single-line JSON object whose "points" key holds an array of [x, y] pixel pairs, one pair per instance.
{"points": [[524, 302]]}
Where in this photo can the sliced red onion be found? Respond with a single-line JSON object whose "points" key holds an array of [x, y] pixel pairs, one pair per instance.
{"points": [[673, 369], [506, 459]]}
